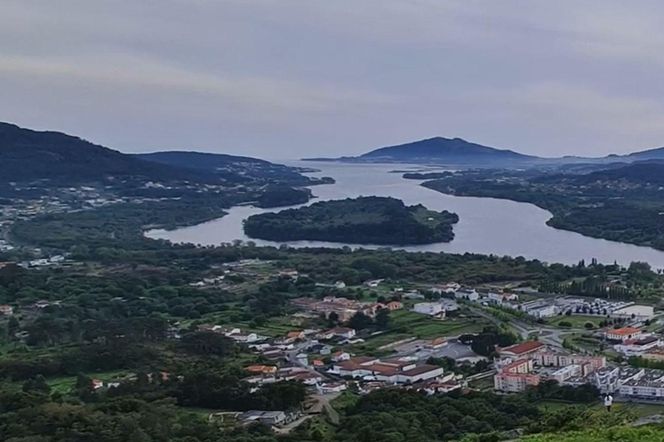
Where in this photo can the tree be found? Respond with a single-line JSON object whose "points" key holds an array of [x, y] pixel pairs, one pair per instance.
{"points": [[333, 319], [37, 385], [360, 321], [208, 342], [383, 318]]}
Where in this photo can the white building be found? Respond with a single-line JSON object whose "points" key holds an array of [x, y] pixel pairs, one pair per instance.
{"points": [[429, 308], [467, 294]]}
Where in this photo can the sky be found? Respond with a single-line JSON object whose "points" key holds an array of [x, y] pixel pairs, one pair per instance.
{"points": [[284, 79]]}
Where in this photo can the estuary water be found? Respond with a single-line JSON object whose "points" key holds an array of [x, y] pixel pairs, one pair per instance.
{"points": [[486, 225]]}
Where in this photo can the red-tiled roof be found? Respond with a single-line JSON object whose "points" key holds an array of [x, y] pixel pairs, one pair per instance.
{"points": [[625, 331], [384, 369], [524, 347]]}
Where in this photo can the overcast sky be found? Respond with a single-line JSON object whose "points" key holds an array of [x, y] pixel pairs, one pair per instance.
{"points": [[286, 78]]}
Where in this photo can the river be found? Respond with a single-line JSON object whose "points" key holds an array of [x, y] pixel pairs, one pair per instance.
{"points": [[486, 225]]}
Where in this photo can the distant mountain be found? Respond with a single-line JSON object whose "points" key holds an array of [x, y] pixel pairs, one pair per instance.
{"points": [[198, 160], [650, 154], [441, 150], [641, 172], [28, 155]]}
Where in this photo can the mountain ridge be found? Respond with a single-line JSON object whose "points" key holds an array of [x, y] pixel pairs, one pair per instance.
{"points": [[28, 155], [457, 151]]}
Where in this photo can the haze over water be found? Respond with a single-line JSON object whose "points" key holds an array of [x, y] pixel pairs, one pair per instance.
{"points": [[486, 225]]}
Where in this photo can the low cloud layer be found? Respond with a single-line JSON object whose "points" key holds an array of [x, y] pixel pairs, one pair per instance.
{"points": [[291, 78]]}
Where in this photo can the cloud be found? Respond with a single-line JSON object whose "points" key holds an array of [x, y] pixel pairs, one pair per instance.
{"points": [[256, 94], [319, 77]]}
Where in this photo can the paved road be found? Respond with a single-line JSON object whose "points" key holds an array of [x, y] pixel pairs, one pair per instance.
{"points": [[548, 335]]}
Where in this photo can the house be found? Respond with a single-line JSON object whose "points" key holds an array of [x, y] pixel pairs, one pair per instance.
{"points": [[42, 304], [261, 369], [499, 298], [623, 334], [340, 356], [412, 295], [436, 343], [545, 311], [655, 354], [540, 308], [295, 335], [373, 283], [394, 305], [353, 367], [430, 309], [97, 384], [306, 377], [637, 347], [269, 418], [343, 332], [302, 358], [449, 305], [522, 349], [449, 288], [289, 273], [6, 310], [441, 387], [467, 294], [420, 373], [249, 338], [331, 387]]}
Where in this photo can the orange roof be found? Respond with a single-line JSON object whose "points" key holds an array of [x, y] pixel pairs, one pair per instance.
{"points": [[524, 347], [261, 369], [384, 369], [625, 331], [294, 334]]}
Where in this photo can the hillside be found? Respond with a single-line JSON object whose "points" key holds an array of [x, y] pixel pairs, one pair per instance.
{"points": [[28, 155], [649, 154], [643, 172], [364, 220], [232, 168], [59, 159], [441, 150]]}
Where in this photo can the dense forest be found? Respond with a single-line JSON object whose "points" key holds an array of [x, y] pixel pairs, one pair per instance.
{"points": [[364, 220]]}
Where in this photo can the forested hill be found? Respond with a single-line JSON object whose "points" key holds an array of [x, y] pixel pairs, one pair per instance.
{"points": [[61, 159], [455, 150], [439, 150], [642, 172], [364, 220], [230, 167], [28, 155]]}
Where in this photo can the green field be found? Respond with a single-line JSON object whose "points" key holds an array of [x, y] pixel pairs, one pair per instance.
{"points": [[577, 321], [405, 324]]}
